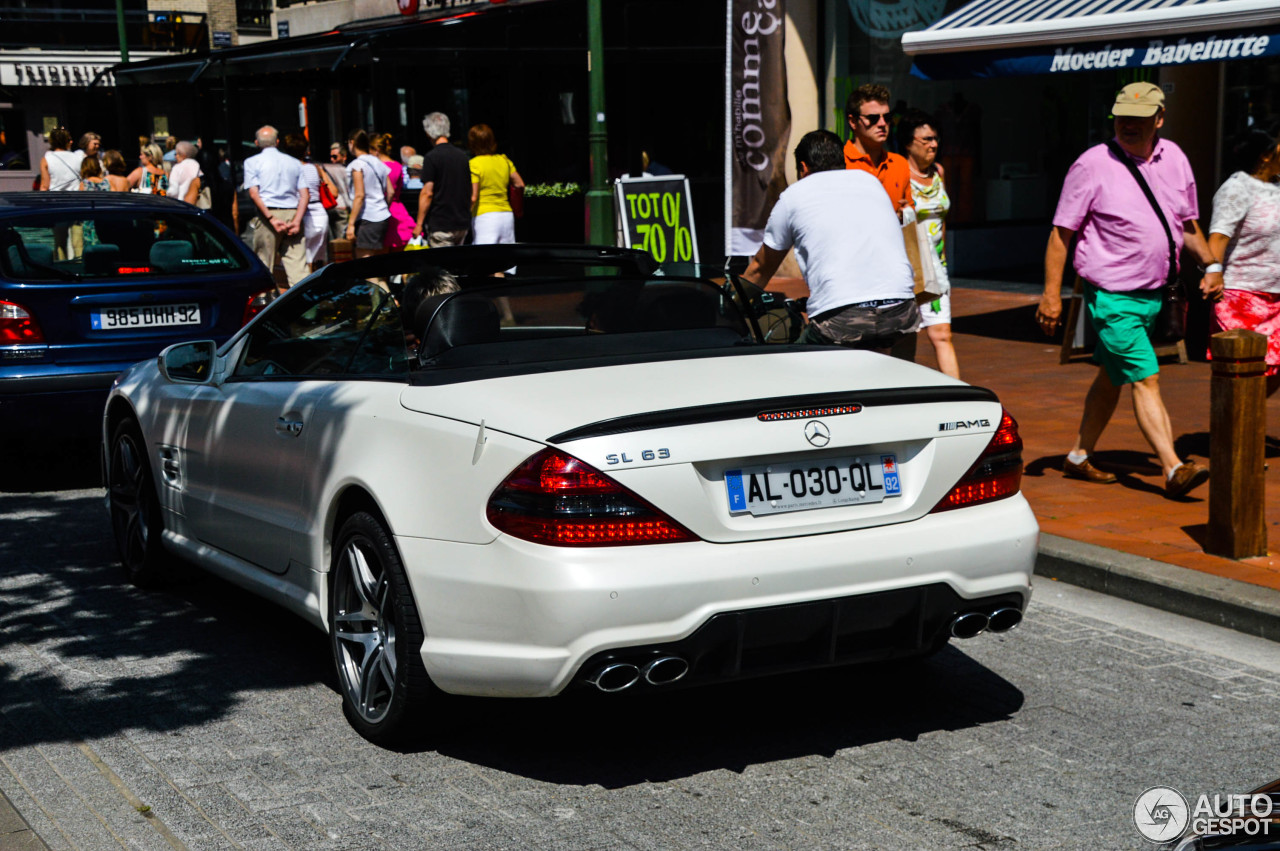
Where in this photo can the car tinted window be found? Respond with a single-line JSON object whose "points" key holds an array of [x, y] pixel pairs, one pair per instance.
{"points": [[569, 319], [328, 328], [103, 244]]}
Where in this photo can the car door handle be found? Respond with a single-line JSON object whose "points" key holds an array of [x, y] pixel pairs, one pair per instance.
{"points": [[293, 428]]}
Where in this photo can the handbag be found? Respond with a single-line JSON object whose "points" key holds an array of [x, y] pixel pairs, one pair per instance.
{"points": [[1171, 323], [327, 199]]}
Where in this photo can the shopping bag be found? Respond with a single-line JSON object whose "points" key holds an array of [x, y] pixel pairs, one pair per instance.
{"points": [[925, 281], [416, 244]]}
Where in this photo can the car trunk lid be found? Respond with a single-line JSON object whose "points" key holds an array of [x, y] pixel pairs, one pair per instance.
{"points": [[675, 433]]}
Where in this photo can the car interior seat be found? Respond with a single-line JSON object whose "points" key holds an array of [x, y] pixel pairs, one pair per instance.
{"points": [[101, 259], [42, 254], [169, 255], [463, 320], [674, 307]]}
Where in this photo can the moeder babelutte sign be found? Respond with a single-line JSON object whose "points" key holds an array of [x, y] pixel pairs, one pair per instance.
{"points": [[1127, 53], [656, 214]]}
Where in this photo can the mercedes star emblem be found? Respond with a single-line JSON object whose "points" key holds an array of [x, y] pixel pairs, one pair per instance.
{"points": [[816, 432]]}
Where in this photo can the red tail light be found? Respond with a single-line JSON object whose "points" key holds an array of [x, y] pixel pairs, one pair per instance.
{"points": [[254, 305], [995, 475], [553, 498], [17, 326]]}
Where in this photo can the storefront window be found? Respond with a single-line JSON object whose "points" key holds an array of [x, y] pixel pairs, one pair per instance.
{"points": [[253, 16], [13, 141]]}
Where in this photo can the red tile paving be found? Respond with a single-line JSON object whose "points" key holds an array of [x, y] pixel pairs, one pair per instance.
{"points": [[999, 347]]}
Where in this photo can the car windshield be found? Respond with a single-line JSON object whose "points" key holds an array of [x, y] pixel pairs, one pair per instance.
{"points": [[567, 319], [109, 244]]}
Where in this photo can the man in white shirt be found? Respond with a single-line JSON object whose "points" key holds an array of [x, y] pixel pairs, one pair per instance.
{"points": [[279, 191], [849, 247], [184, 180]]}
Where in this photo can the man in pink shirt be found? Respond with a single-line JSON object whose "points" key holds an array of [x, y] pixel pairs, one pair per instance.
{"points": [[1123, 257]]}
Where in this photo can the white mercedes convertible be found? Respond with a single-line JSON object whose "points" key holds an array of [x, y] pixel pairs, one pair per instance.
{"points": [[586, 474]]}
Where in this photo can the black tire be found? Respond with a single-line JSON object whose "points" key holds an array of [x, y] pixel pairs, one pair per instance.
{"points": [[376, 635], [134, 504]]}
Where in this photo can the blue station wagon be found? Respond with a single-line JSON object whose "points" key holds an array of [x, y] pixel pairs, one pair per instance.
{"points": [[91, 283]]}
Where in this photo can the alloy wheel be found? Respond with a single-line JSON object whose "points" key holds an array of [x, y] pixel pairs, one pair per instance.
{"points": [[130, 492], [364, 632]]}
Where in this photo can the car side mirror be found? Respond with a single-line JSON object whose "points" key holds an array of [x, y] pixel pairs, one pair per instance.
{"points": [[189, 362]]}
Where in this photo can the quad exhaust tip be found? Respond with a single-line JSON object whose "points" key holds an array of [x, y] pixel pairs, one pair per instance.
{"points": [[1003, 620], [664, 670], [616, 677], [620, 676], [969, 625]]}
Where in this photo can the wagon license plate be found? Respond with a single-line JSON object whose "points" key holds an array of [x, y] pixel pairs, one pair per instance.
{"points": [[150, 316], [800, 486]]}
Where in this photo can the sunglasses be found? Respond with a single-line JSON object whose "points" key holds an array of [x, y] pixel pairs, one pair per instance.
{"points": [[874, 118]]}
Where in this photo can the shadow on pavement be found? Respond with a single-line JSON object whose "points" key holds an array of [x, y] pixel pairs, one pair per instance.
{"points": [[623, 740], [1015, 323], [83, 654], [56, 462]]}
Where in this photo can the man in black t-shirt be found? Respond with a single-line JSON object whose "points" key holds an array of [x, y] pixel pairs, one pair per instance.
{"points": [[444, 204]]}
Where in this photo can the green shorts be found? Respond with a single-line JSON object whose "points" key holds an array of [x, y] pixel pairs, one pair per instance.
{"points": [[1123, 323]]}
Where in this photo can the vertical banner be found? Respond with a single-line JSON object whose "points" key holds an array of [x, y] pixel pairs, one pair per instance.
{"points": [[757, 120]]}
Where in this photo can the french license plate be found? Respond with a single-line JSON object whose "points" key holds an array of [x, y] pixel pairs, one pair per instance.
{"points": [[801, 485], [150, 316]]}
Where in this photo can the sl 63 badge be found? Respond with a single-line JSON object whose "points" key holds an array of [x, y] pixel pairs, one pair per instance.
{"points": [[645, 455]]}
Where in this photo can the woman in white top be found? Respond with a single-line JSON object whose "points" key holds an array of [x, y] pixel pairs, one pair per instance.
{"points": [[60, 167], [919, 140], [369, 218], [1244, 234], [315, 224]]}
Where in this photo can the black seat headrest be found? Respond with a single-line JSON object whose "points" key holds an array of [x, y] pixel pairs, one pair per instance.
{"points": [[462, 321]]}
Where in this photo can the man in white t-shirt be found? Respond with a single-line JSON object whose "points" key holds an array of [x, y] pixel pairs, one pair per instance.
{"points": [[849, 247], [279, 192], [184, 180]]}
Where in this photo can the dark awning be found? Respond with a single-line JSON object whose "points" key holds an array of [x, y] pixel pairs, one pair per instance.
{"points": [[349, 44], [989, 38]]}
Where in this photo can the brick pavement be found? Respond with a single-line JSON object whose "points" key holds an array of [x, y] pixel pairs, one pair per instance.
{"points": [[999, 347]]}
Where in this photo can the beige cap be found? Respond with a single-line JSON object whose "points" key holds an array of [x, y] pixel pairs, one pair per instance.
{"points": [[1140, 99]]}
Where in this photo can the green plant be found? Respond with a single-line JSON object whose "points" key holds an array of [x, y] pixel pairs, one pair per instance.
{"points": [[552, 190]]}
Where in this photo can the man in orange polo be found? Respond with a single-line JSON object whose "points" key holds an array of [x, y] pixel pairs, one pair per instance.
{"points": [[867, 111]]}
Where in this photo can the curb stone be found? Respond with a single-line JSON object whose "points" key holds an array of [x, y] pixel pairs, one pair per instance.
{"points": [[1251, 609], [15, 833]]}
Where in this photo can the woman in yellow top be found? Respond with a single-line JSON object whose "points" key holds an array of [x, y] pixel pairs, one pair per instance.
{"points": [[492, 175]]}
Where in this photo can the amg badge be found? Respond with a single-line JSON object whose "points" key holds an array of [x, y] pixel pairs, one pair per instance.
{"points": [[959, 424]]}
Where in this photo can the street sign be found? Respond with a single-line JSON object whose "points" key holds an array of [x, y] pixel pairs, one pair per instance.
{"points": [[282, 29], [655, 214]]}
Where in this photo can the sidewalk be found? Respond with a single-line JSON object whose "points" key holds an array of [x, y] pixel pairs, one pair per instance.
{"points": [[1124, 539], [999, 347]]}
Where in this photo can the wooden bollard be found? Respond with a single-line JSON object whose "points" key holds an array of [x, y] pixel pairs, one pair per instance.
{"points": [[1237, 445]]}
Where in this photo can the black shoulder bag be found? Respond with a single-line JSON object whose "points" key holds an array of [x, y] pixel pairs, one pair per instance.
{"points": [[1171, 324]]}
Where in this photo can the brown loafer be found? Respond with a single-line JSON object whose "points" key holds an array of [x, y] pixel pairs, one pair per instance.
{"points": [[1186, 477], [1087, 472]]}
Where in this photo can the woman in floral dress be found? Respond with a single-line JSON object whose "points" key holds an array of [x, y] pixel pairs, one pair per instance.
{"points": [[919, 141], [1244, 235]]}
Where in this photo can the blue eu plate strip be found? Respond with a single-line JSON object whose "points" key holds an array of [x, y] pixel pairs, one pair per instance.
{"points": [[737, 497]]}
